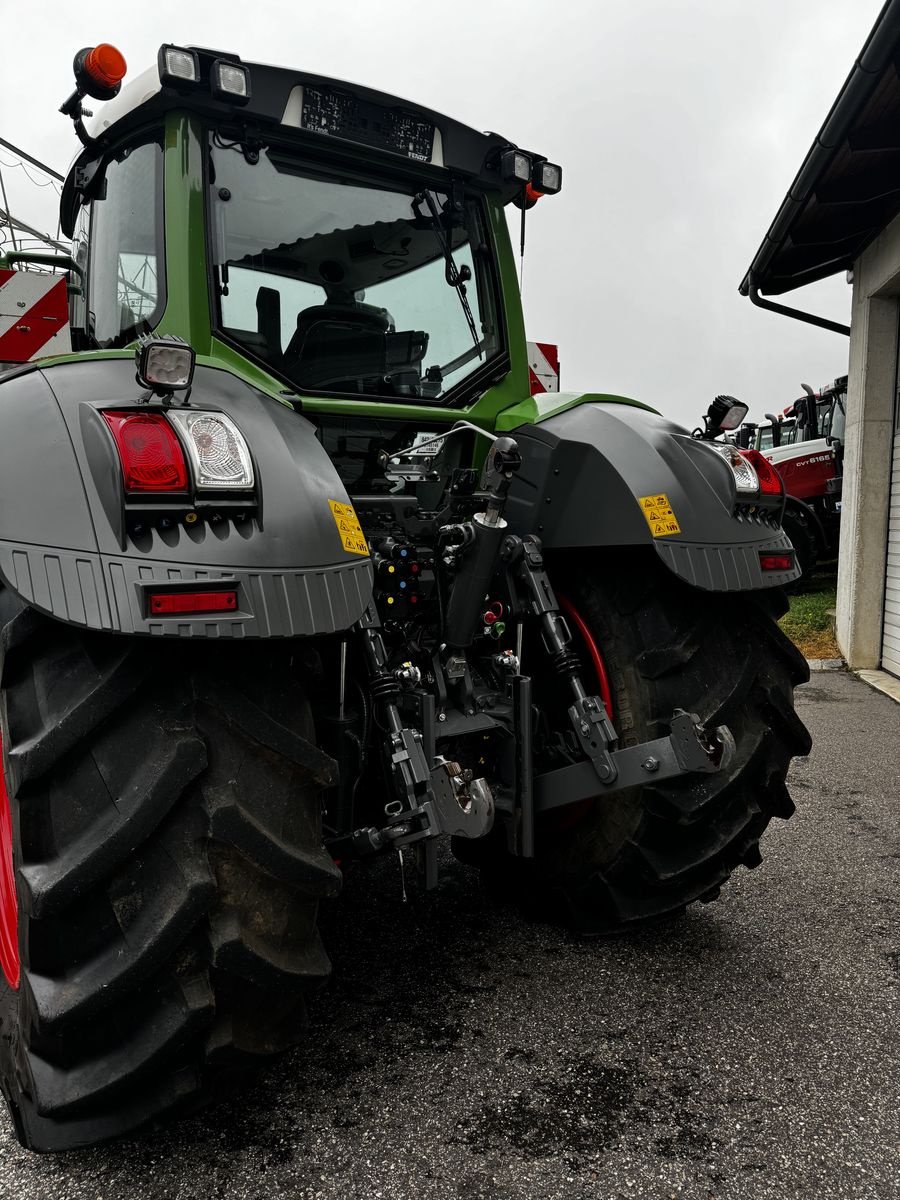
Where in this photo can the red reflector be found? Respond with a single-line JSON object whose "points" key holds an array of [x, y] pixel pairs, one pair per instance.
{"points": [[162, 603], [776, 562], [769, 480], [151, 454]]}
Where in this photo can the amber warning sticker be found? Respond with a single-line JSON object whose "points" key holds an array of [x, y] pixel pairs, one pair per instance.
{"points": [[348, 527], [658, 513]]}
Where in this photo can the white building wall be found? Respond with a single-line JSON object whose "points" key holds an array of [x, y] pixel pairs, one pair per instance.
{"points": [[867, 452]]}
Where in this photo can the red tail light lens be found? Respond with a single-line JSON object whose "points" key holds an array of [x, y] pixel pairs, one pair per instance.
{"points": [[151, 454], [776, 562], [769, 480], [168, 603]]}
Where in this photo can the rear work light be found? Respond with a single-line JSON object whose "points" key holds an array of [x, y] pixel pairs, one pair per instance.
{"points": [[219, 454], [770, 482], [230, 81], [178, 66], [150, 452], [776, 562], [173, 603]]}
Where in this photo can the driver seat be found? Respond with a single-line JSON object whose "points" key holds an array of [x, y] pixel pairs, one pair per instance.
{"points": [[337, 342]]}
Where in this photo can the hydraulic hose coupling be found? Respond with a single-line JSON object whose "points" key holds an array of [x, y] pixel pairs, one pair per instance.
{"points": [[480, 561]]}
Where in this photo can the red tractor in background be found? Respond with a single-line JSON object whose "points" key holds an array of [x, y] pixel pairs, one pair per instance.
{"points": [[805, 446]]}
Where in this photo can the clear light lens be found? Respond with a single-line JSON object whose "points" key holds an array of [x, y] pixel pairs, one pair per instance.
{"points": [[219, 454], [515, 165], [549, 178], [181, 64], [231, 79], [168, 366], [745, 477], [522, 167], [734, 417]]}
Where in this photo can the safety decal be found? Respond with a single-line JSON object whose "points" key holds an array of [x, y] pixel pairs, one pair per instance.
{"points": [[659, 516], [348, 527]]}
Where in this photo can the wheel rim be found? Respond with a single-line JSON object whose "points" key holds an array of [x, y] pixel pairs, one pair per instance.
{"points": [[9, 909]]}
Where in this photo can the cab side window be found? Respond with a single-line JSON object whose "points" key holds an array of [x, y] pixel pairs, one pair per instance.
{"points": [[126, 279]]}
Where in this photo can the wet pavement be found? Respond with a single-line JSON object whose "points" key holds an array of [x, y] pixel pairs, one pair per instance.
{"points": [[749, 1050]]}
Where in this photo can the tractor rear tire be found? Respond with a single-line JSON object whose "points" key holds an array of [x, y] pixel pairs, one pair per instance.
{"points": [[638, 855], [168, 865]]}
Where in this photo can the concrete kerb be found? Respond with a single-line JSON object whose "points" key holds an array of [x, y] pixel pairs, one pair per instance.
{"points": [[882, 681]]}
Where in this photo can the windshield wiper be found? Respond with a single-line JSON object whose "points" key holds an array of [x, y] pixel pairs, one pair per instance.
{"points": [[455, 278]]}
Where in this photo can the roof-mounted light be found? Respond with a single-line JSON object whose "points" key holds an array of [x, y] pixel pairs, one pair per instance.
{"points": [[229, 81], [99, 70], [546, 178], [515, 167], [165, 363], [178, 67]]}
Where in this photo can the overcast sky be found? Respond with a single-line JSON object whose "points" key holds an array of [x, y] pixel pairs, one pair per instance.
{"points": [[679, 125]]}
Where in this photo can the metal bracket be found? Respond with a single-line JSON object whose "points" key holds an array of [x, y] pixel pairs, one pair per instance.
{"points": [[688, 750]]}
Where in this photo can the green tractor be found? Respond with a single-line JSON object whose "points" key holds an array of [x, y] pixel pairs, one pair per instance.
{"points": [[295, 572]]}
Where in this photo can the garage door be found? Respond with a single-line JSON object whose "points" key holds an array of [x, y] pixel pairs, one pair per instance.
{"points": [[890, 649]]}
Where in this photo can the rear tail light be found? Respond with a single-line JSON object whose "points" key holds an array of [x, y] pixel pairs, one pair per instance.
{"points": [[770, 482], [745, 478], [151, 454], [776, 562], [174, 603], [219, 454]]}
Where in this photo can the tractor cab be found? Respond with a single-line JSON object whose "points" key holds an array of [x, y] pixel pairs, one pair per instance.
{"points": [[338, 241]]}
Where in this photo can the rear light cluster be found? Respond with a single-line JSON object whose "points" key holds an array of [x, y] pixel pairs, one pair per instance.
{"points": [[154, 449], [752, 471], [745, 478], [770, 483]]}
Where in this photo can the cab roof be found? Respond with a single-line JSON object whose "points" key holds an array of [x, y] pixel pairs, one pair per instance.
{"points": [[348, 119]]}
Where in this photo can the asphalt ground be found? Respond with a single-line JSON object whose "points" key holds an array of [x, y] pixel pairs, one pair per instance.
{"points": [[750, 1050]]}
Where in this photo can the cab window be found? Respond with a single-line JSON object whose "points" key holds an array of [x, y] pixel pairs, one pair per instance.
{"points": [[126, 277]]}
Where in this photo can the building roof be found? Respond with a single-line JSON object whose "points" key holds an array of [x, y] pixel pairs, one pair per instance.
{"points": [[848, 187]]}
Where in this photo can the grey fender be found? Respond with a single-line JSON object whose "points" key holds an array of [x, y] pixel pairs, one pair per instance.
{"points": [[65, 541], [587, 471]]}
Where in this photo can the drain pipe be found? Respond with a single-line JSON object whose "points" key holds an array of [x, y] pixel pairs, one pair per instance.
{"points": [[796, 313]]}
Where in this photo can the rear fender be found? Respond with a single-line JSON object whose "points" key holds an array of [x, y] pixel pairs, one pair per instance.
{"points": [[65, 545], [604, 474]]}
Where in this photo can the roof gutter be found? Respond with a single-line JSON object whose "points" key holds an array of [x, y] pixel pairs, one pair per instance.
{"points": [[810, 318], [876, 54]]}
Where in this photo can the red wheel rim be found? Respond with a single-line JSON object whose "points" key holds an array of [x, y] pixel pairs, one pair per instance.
{"points": [[9, 909], [593, 651]]}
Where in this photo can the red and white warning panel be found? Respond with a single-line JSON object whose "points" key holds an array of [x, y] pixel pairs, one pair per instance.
{"points": [[34, 316], [543, 367]]}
